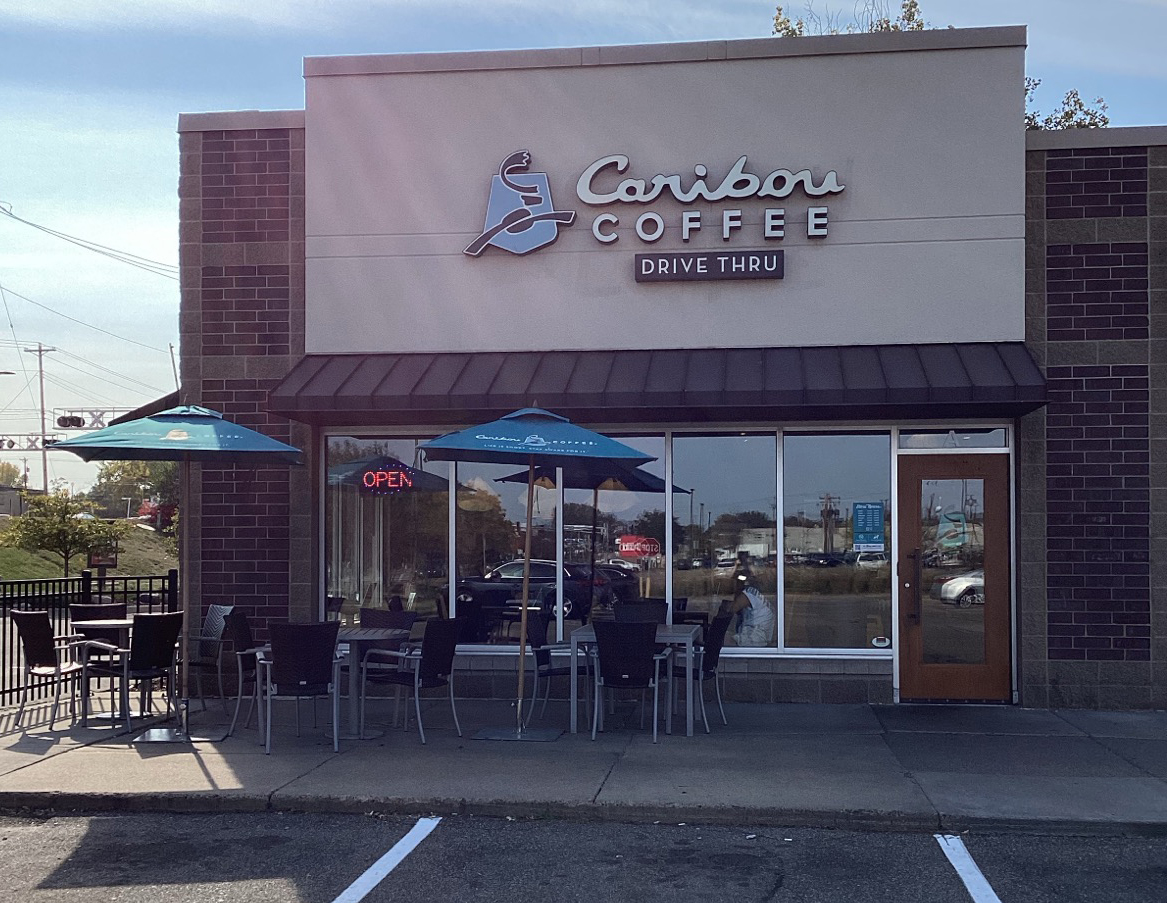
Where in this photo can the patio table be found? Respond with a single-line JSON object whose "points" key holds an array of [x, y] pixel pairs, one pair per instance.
{"points": [[359, 640], [106, 625], [685, 635]]}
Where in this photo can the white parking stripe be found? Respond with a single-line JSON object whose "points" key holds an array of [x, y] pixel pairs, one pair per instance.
{"points": [[978, 888], [376, 873]]}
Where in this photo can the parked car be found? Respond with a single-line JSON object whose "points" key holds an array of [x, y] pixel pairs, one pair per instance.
{"points": [[963, 590], [624, 586], [622, 563], [871, 560], [505, 582]]}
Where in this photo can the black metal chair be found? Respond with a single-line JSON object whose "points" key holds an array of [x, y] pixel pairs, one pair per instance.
{"points": [[302, 664], [47, 657], [705, 665], [151, 657], [207, 650], [431, 665], [545, 670], [237, 627], [653, 611], [627, 659]]}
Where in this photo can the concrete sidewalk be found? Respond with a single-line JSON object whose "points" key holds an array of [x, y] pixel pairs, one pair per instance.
{"points": [[926, 768]]}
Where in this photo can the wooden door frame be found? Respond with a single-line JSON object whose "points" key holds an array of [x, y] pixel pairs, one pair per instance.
{"points": [[1000, 636]]}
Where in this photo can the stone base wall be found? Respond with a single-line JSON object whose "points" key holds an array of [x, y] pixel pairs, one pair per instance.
{"points": [[743, 679]]}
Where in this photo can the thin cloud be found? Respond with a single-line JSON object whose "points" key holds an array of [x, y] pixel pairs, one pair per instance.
{"points": [[675, 19]]}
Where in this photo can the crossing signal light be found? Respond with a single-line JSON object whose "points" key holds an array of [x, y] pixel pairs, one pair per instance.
{"points": [[70, 421]]}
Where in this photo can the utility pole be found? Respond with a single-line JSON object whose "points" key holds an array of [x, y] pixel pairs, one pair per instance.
{"points": [[40, 353]]}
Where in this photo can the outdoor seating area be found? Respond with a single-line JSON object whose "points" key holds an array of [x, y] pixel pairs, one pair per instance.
{"points": [[126, 671]]}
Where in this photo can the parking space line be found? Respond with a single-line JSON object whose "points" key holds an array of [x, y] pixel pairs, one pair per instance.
{"points": [[975, 883], [376, 873]]}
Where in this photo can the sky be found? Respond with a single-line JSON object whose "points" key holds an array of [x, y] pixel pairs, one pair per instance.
{"points": [[91, 90]]}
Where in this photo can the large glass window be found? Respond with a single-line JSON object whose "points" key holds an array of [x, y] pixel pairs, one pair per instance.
{"points": [[724, 505], [619, 530], [837, 540], [386, 527], [490, 517]]}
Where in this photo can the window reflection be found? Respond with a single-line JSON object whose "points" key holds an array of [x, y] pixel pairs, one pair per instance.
{"points": [[837, 540], [953, 570], [627, 545], [386, 527], [726, 530]]}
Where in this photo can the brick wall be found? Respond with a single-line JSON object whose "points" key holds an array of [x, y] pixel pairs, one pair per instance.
{"points": [[1092, 480], [241, 200]]}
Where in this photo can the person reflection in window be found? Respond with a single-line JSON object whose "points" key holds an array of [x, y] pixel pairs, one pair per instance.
{"points": [[754, 625]]}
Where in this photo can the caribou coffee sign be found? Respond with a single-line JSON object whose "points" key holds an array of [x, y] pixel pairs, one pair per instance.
{"points": [[521, 218]]}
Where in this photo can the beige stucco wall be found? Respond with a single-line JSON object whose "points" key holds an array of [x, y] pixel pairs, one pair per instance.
{"points": [[925, 243]]}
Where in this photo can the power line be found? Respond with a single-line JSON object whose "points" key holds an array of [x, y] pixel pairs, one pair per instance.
{"points": [[23, 369], [78, 322], [169, 270], [85, 393], [126, 380]]}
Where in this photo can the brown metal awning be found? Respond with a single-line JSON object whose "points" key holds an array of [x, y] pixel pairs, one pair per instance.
{"points": [[868, 382]]}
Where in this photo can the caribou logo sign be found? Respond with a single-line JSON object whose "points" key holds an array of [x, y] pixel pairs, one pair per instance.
{"points": [[520, 217]]}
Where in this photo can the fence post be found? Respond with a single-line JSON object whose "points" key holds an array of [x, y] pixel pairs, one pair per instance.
{"points": [[86, 587], [172, 589]]}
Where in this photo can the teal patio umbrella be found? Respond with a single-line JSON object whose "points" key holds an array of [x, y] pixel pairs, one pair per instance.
{"points": [[536, 438], [185, 434]]}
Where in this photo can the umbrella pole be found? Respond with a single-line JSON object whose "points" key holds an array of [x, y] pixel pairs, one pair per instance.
{"points": [[526, 596], [592, 572], [184, 590]]}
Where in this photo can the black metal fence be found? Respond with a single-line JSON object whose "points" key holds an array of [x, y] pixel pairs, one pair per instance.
{"points": [[55, 595]]}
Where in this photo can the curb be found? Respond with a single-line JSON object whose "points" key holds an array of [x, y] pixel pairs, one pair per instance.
{"points": [[39, 804]]}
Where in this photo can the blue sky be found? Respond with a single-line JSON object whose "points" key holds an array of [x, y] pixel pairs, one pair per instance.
{"points": [[90, 92]]}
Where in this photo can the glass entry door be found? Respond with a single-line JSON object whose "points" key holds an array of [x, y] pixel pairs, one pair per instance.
{"points": [[954, 582]]}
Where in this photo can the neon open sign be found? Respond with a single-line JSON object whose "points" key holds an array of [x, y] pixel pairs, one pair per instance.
{"points": [[385, 481]]}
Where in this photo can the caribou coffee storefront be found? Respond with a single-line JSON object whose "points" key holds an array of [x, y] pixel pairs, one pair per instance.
{"points": [[793, 272]]}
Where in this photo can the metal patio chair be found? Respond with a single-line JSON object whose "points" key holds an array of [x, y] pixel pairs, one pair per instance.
{"points": [[302, 664], [47, 657], [626, 658], [419, 668]]}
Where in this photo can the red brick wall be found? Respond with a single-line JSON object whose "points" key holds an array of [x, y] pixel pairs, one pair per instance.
{"points": [[242, 328]]}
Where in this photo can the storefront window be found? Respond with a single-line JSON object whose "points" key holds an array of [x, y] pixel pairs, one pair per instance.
{"points": [[935, 439], [385, 527], [724, 506], [627, 543], [490, 517], [837, 540]]}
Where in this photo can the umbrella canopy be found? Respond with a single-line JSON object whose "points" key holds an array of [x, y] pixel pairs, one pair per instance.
{"points": [[185, 434], [530, 435], [533, 437], [596, 475]]}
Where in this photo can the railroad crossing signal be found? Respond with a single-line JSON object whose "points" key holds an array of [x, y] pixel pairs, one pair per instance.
{"points": [[30, 442], [86, 418]]}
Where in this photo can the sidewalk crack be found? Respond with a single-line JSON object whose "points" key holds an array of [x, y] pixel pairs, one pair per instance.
{"points": [[615, 761]]}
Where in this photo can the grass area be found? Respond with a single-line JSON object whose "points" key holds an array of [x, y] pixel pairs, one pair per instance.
{"points": [[141, 552]]}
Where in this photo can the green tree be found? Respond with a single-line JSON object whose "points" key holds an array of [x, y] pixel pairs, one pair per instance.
{"points": [[652, 523], [134, 480], [10, 474], [62, 525], [873, 15]]}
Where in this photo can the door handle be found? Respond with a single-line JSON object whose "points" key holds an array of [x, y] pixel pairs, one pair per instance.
{"points": [[916, 574]]}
